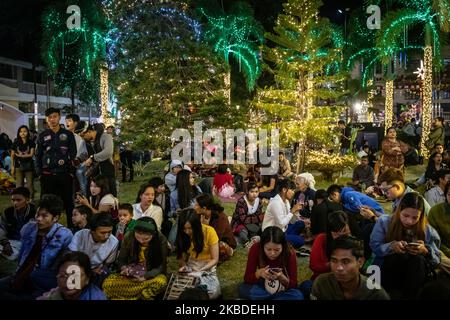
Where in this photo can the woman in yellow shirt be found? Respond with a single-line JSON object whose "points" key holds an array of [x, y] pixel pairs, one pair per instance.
{"points": [[198, 251]]}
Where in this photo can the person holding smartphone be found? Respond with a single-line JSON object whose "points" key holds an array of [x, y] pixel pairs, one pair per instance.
{"points": [[406, 248], [271, 272]]}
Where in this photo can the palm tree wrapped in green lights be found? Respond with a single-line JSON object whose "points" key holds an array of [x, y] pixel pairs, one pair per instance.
{"points": [[434, 16], [239, 35]]}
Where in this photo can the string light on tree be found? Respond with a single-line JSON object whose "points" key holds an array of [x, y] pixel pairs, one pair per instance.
{"points": [[104, 94], [389, 105], [427, 99], [370, 96]]}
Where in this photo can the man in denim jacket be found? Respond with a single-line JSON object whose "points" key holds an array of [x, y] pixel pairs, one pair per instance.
{"points": [[43, 243]]}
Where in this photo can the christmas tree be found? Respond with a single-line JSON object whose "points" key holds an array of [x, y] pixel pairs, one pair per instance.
{"points": [[304, 54], [166, 77]]}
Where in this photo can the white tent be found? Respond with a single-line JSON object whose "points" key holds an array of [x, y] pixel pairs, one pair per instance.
{"points": [[11, 119]]}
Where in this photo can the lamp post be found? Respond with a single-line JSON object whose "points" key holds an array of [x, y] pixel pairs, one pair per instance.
{"points": [[345, 12]]}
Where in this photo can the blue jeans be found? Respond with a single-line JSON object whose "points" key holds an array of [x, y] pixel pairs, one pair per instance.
{"points": [[257, 292], [293, 234], [82, 179], [306, 287]]}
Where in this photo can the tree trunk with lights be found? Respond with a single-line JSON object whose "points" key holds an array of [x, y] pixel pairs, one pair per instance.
{"points": [[427, 91], [308, 75], [389, 105]]}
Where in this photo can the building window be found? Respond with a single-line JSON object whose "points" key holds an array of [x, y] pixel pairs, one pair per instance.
{"points": [[6, 71]]}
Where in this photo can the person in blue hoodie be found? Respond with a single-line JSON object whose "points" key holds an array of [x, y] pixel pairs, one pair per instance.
{"points": [[44, 240], [86, 290], [362, 213]]}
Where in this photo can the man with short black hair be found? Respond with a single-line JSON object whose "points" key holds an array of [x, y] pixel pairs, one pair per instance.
{"points": [[81, 217], [11, 222], [55, 152], [363, 174], [44, 241], [392, 184], [98, 243], [345, 282], [436, 135], [436, 194]]}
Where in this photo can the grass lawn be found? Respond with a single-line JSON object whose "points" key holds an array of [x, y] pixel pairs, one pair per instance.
{"points": [[230, 272]]}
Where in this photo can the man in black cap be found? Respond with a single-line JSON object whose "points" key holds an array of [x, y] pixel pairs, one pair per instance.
{"points": [[55, 152]]}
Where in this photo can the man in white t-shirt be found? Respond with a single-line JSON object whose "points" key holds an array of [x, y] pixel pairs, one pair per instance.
{"points": [[98, 243]]}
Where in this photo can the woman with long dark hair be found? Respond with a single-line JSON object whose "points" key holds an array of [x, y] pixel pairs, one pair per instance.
{"points": [[142, 263], [162, 198], [212, 214], [101, 199], [434, 165], [197, 248], [145, 205], [182, 197], [337, 226], [22, 166], [271, 272], [406, 247]]}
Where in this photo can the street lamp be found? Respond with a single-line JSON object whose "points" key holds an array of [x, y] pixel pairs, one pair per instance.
{"points": [[345, 21]]}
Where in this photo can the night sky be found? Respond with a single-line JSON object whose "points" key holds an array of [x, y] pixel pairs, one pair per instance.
{"points": [[20, 27]]}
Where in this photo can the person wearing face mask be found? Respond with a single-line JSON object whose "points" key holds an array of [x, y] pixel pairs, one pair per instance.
{"points": [[406, 247], [271, 272], [142, 263], [145, 206], [86, 291], [99, 244]]}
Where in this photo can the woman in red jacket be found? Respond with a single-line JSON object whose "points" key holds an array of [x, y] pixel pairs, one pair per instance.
{"points": [[337, 226], [318, 260], [271, 272]]}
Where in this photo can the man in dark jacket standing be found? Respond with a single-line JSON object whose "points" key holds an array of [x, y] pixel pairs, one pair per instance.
{"points": [[55, 152]]}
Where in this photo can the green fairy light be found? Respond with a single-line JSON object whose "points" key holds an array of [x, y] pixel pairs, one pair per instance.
{"points": [[72, 56], [238, 36]]}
